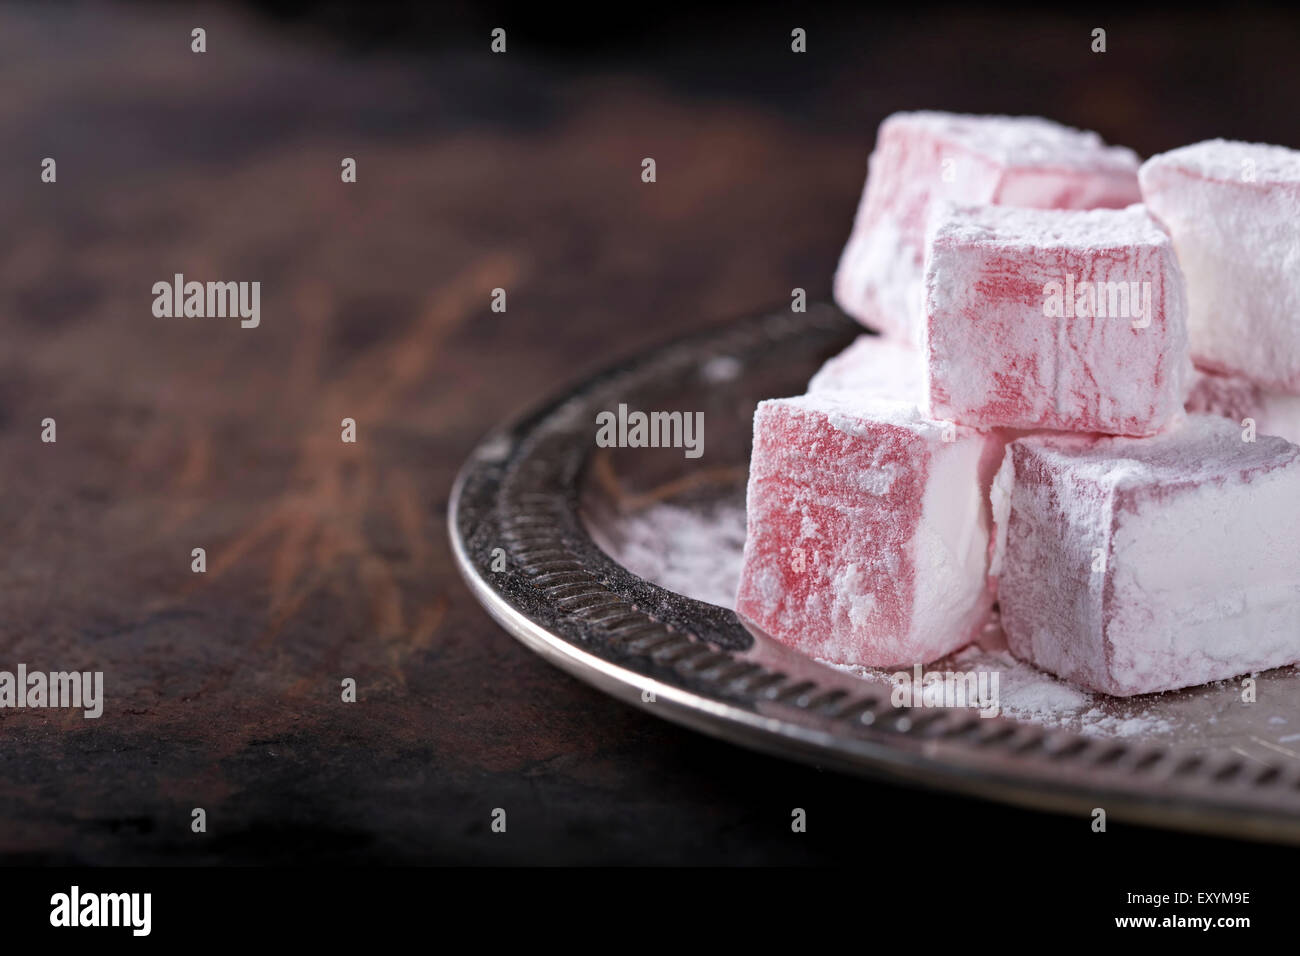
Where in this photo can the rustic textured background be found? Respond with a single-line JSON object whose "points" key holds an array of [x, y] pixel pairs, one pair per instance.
{"points": [[329, 560]]}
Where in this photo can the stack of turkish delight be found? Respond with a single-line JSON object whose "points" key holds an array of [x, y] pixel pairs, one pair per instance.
{"points": [[1080, 406]]}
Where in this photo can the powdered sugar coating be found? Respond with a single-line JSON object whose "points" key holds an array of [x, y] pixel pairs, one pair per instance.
{"points": [[867, 530], [1021, 141], [1238, 399], [1131, 566], [1060, 319], [1018, 229], [1228, 396], [924, 157], [873, 367], [1232, 162], [1233, 210]]}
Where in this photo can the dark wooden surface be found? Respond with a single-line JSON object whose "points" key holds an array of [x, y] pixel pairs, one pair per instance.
{"points": [[329, 560]]}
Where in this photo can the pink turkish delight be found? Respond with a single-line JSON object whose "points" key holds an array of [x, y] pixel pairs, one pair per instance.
{"points": [[1241, 400], [1233, 210], [923, 157], [1228, 396], [1070, 320], [868, 530], [873, 367], [1137, 565]]}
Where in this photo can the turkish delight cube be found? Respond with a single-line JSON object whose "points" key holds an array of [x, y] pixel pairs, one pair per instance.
{"points": [[1244, 402], [874, 367], [1228, 396], [1059, 319], [1233, 210], [923, 157], [868, 530], [1137, 565]]}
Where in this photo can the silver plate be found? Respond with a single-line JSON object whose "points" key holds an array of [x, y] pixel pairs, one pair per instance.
{"points": [[527, 497]]}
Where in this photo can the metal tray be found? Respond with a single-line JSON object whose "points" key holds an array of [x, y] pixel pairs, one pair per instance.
{"points": [[522, 516]]}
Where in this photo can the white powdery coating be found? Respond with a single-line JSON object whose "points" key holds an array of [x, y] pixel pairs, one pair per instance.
{"points": [[1028, 141], [1202, 449], [858, 416], [1014, 229], [1225, 161], [867, 531], [1027, 694], [1024, 692], [925, 157], [1197, 531], [697, 552], [873, 367], [996, 359], [1237, 399], [1233, 210], [878, 279], [691, 551], [1228, 396]]}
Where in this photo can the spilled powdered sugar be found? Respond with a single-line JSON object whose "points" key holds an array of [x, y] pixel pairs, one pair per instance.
{"points": [[685, 550], [697, 553], [1027, 694]]}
